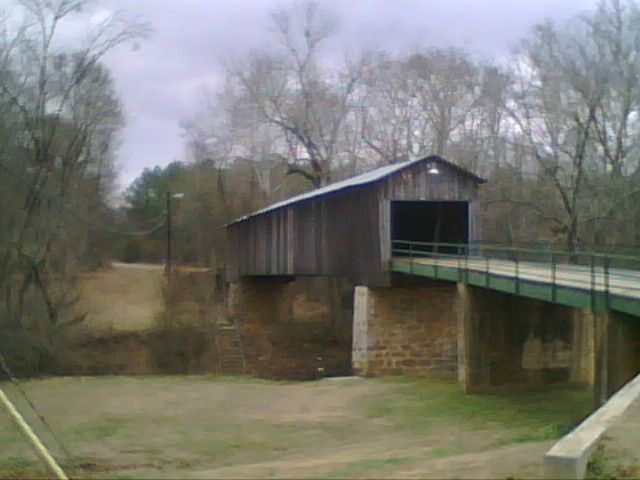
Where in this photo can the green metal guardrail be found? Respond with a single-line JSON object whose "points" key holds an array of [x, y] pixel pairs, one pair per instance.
{"points": [[579, 279]]}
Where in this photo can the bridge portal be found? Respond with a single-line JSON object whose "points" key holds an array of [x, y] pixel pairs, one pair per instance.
{"points": [[430, 222]]}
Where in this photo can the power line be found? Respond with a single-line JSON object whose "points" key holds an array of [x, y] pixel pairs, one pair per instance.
{"points": [[131, 233], [28, 432], [16, 383]]}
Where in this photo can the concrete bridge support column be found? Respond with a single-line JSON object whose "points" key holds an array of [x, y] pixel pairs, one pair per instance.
{"points": [[617, 352], [361, 352], [583, 348], [471, 370], [407, 329], [509, 340], [601, 356]]}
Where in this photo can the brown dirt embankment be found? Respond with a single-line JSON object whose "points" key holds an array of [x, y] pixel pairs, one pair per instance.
{"points": [[136, 324]]}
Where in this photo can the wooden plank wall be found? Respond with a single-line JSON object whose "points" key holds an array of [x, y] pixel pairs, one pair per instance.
{"points": [[415, 183], [336, 235]]}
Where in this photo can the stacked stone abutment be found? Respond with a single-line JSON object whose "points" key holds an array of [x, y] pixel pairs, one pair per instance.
{"points": [[424, 327], [488, 338], [292, 328], [405, 330]]}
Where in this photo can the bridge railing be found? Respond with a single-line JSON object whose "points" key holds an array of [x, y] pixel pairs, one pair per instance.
{"points": [[594, 271], [536, 255]]}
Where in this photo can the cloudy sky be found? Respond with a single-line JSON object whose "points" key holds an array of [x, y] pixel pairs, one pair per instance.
{"points": [[162, 82]]}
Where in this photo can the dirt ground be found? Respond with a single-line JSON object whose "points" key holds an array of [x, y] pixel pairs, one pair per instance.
{"points": [[216, 427]]}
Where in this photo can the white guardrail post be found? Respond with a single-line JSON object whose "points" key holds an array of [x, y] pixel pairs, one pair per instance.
{"points": [[569, 456]]}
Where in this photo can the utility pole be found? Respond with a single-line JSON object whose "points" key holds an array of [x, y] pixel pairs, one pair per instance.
{"points": [[167, 266], [168, 261]]}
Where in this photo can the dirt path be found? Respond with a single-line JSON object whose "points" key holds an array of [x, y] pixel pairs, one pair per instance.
{"points": [[204, 427]]}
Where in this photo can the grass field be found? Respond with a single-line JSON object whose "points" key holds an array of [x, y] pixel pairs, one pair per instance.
{"points": [[213, 427], [122, 298]]}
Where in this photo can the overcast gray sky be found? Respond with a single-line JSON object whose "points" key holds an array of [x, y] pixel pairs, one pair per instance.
{"points": [[161, 83]]}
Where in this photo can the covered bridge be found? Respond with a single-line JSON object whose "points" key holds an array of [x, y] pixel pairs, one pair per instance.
{"points": [[347, 229]]}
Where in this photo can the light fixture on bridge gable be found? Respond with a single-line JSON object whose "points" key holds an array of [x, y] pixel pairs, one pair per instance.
{"points": [[432, 169]]}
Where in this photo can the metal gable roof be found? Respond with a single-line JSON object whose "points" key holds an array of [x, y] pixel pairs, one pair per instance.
{"points": [[359, 180]]}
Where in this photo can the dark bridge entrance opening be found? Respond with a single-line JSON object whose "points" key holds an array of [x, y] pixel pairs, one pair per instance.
{"points": [[431, 222]]}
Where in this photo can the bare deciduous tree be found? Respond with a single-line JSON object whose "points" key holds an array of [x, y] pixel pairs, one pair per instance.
{"points": [[65, 114], [294, 93]]}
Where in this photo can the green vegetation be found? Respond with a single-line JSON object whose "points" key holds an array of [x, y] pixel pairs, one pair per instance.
{"points": [[17, 468], [432, 403], [101, 430], [607, 462]]}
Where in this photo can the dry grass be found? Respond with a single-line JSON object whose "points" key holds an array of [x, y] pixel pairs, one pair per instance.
{"points": [[618, 455], [121, 299], [205, 427]]}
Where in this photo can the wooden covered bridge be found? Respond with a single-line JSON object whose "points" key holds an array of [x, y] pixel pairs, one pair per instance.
{"points": [[348, 228], [428, 295]]}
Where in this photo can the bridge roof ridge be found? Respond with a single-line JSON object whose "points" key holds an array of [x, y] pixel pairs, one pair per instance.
{"points": [[356, 181]]}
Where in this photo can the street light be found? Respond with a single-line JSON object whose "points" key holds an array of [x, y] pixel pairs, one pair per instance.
{"points": [[167, 266], [432, 169]]}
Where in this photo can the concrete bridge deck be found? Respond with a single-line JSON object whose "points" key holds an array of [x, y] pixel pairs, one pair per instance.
{"points": [[572, 285]]}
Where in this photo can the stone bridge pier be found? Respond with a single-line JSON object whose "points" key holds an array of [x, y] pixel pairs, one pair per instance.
{"points": [[408, 328], [420, 326], [489, 339], [504, 339], [618, 352], [291, 326]]}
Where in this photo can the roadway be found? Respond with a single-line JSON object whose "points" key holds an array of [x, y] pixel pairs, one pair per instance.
{"points": [[622, 282]]}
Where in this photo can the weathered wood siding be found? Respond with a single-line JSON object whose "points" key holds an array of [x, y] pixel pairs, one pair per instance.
{"points": [[345, 233], [414, 183], [335, 235]]}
